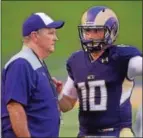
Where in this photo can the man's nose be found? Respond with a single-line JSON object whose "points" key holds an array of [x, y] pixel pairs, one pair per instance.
{"points": [[57, 38]]}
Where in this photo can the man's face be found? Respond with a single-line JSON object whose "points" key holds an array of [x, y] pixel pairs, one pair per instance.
{"points": [[94, 34], [46, 39]]}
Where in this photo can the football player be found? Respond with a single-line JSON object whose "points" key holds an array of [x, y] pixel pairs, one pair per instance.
{"points": [[97, 76]]}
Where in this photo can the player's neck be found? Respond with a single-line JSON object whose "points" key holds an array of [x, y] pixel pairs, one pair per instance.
{"points": [[96, 55]]}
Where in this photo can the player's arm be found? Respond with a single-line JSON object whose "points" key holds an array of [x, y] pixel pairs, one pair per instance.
{"points": [[66, 103], [135, 67], [68, 96], [18, 119]]}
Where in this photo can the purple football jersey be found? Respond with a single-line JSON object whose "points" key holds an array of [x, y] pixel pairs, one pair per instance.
{"points": [[103, 100]]}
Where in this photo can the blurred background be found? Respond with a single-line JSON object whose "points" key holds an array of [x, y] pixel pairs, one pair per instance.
{"points": [[15, 12]]}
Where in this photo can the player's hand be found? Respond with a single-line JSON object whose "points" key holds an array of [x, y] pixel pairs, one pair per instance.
{"points": [[58, 84]]}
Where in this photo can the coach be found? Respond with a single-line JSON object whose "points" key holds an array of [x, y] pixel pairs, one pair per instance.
{"points": [[29, 97]]}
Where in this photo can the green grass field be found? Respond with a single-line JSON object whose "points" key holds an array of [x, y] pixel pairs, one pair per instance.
{"points": [[14, 13], [70, 124]]}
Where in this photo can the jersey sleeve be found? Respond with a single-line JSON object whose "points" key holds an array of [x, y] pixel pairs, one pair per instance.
{"points": [[18, 82], [126, 53]]}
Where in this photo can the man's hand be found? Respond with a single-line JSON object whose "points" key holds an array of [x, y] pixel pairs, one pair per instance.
{"points": [[58, 84]]}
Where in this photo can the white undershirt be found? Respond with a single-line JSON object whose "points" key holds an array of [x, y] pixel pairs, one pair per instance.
{"points": [[69, 89], [134, 69]]}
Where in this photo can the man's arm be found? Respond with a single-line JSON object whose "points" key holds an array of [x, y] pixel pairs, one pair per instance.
{"points": [[18, 119], [67, 95], [18, 87], [135, 67]]}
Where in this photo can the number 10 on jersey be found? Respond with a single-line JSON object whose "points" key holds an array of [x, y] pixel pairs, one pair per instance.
{"points": [[91, 99]]}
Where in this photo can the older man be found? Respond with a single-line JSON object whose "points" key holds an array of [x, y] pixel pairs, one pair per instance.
{"points": [[29, 98]]}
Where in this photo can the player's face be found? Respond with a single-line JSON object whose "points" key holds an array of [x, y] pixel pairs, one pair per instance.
{"points": [[94, 34], [46, 39]]}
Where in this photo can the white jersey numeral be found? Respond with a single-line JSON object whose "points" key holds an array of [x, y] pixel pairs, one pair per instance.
{"points": [[92, 95]]}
